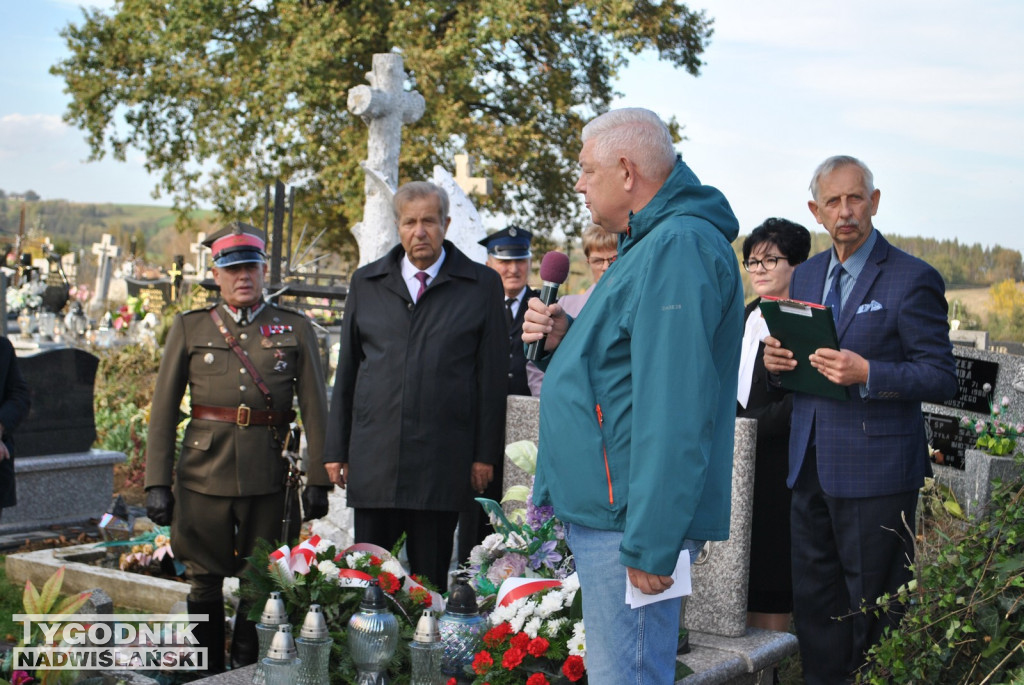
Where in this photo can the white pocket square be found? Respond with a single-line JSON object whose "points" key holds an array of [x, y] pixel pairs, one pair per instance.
{"points": [[872, 306]]}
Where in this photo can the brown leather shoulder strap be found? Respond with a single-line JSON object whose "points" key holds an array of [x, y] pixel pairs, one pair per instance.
{"points": [[246, 362]]}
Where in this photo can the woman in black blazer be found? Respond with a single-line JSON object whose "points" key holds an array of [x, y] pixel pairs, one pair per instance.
{"points": [[770, 253], [14, 403]]}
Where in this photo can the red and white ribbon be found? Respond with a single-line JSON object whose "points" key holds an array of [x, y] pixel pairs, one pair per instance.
{"points": [[298, 560], [517, 588]]}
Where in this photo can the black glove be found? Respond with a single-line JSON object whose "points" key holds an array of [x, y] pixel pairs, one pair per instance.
{"points": [[159, 505], [314, 501]]}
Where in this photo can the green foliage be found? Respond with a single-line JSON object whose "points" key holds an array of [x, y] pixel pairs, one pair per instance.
{"points": [[10, 604], [46, 600], [995, 436], [255, 92], [1006, 319], [964, 612], [125, 382]]}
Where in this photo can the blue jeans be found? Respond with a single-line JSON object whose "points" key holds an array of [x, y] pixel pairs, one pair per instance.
{"points": [[624, 646]]}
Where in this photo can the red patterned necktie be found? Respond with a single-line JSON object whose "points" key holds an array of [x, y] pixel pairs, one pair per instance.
{"points": [[422, 277]]}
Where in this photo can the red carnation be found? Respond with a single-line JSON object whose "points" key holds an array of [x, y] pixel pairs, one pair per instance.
{"points": [[421, 596], [388, 582], [537, 679], [451, 681], [537, 647], [573, 668], [375, 560], [513, 657], [496, 635], [520, 640], [482, 662]]}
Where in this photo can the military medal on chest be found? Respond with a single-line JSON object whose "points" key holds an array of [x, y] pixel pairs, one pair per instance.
{"points": [[268, 331]]}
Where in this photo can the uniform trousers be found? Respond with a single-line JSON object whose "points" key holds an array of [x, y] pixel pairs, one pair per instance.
{"points": [[845, 551], [430, 537], [213, 536]]}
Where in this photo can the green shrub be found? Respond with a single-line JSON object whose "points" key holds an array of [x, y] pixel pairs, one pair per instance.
{"points": [[964, 611], [123, 393]]}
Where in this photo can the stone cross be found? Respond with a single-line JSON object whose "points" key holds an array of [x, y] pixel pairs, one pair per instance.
{"points": [[384, 105], [106, 251], [469, 185], [201, 252]]}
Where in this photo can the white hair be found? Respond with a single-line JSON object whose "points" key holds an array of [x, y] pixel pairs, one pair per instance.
{"points": [[637, 134], [837, 162]]}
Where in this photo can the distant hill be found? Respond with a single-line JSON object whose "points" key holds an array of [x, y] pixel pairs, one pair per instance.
{"points": [[961, 265], [75, 226]]}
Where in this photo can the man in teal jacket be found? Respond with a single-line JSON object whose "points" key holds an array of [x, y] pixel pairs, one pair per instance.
{"points": [[637, 408]]}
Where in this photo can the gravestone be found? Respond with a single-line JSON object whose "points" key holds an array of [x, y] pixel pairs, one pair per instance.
{"points": [[154, 294], [106, 251], [202, 253], [60, 479], [718, 605], [466, 228], [967, 471], [61, 417], [464, 177], [976, 339], [976, 369]]}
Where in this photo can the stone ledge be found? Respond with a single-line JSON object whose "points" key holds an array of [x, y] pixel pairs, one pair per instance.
{"points": [[132, 590], [735, 660], [240, 676]]}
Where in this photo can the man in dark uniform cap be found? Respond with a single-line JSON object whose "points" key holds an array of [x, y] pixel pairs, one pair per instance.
{"points": [[508, 253], [244, 360]]}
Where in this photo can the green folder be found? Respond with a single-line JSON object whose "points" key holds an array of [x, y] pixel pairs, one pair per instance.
{"points": [[802, 328]]}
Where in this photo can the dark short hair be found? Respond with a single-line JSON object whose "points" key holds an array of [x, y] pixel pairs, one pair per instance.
{"points": [[792, 239]]}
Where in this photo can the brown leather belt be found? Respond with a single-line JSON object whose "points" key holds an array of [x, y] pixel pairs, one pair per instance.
{"points": [[243, 415]]}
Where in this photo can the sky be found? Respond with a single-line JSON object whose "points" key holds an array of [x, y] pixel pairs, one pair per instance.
{"points": [[929, 93]]}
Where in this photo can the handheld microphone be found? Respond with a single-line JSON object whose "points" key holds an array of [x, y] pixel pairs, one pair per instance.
{"points": [[554, 269]]}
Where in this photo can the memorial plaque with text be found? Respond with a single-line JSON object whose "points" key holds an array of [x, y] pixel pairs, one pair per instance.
{"points": [[153, 299], [949, 440], [202, 297], [972, 375], [154, 294]]}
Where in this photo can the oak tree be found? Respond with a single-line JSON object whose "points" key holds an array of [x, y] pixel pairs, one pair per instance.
{"points": [[225, 96]]}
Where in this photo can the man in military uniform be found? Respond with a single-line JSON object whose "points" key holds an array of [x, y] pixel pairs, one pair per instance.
{"points": [[508, 253], [244, 360]]}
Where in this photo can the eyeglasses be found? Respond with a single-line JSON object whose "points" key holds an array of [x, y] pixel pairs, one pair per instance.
{"points": [[768, 263], [602, 261]]}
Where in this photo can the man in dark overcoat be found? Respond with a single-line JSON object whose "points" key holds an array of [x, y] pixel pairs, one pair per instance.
{"points": [[417, 417], [14, 406], [244, 361]]}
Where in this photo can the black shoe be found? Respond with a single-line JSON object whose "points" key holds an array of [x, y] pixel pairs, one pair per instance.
{"points": [[210, 633], [245, 645]]}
